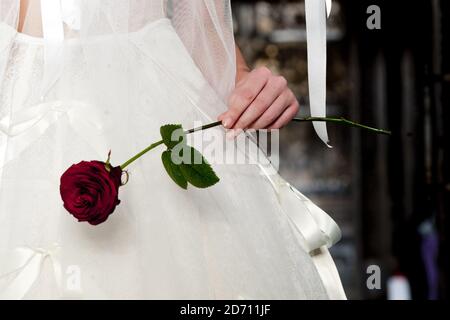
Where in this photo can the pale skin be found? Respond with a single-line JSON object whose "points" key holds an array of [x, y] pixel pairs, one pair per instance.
{"points": [[260, 100]]}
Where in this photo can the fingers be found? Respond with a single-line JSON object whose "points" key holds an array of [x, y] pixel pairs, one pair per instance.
{"points": [[275, 89], [260, 100], [286, 116], [274, 111], [244, 94]]}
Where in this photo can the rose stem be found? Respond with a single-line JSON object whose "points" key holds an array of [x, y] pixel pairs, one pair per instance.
{"points": [[342, 121], [154, 145], [140, 154]]}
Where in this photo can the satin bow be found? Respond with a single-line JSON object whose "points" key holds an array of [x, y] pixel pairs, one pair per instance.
{"points": [[24, 266], [27, 125], [315, 226], [316, 229]]}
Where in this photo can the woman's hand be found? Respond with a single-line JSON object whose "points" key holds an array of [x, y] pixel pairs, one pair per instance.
{"points": [[261, 100]]}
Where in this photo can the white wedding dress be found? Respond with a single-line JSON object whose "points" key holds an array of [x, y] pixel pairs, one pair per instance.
{"points": [[251, 236]]}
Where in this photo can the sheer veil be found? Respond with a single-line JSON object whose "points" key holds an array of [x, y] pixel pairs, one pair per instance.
{"points": [[204, 26]]}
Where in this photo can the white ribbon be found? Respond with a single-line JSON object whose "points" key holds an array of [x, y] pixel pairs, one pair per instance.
{"points": [[329, 5], [27, 125], [316, 227], [71, 14], [24, 267], [316, 30], [39, 117], [53, 32]]}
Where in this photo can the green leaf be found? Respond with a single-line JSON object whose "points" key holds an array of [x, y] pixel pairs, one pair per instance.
{"points": [[172, 134], [173, 169], [191, 167], [197, 171]]}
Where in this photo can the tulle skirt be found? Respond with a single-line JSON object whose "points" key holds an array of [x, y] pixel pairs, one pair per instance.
{"points": [[251, 236]]}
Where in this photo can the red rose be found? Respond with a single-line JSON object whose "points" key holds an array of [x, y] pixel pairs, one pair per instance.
{"points": [[90, 192]]}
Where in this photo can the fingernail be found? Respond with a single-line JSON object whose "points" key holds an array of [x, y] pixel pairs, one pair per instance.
{"points": [[227, 122]]}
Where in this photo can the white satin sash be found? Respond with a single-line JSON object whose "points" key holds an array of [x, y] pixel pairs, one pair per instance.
{"points": [[315, 226]]}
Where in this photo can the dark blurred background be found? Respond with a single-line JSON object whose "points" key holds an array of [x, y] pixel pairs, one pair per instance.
{"points": [[390, 195]]}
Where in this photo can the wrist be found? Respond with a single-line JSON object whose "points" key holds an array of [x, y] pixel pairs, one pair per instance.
{"points": [[241, 72]]}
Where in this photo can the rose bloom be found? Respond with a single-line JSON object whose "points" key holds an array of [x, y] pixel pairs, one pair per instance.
{"points": [[89, 192]]}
